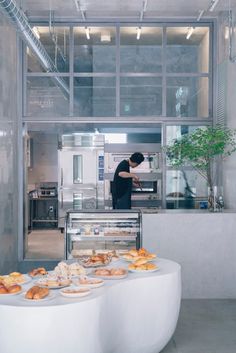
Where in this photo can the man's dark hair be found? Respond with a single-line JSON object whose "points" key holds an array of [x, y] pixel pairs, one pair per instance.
{"points": [[137, 157]]}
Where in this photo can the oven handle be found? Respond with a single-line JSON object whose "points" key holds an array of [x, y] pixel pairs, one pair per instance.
{"points": [[62, 201]]}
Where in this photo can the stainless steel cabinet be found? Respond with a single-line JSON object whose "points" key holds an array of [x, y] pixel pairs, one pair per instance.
{"points": [[87, 231]]}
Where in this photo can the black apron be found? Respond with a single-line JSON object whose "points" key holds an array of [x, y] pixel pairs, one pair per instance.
{"points": [[124, 202]]}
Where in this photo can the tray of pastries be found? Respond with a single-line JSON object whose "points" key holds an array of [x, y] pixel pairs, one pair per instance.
{"points": [[85, 281], [10, 290], [142, 265], [96, 260], [38, 294], [110, 273], [69, 270], [14, 278], [53, 282], [134, 255]]}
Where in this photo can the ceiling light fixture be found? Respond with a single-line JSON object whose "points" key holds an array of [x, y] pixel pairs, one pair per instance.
{"points": [[87, 32], [139, 30], [189, 32], [36, 32], [213, 5]]}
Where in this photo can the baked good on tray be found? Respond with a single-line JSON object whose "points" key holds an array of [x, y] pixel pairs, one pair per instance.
{"points": [[37, 293]]}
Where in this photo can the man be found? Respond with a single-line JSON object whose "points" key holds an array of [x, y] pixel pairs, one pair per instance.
{"points": [[123, 180]]}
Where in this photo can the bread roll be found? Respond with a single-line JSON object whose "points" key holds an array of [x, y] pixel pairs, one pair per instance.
{"points": [[41, 293], [31, 292], [140, 262], [14, 288]]}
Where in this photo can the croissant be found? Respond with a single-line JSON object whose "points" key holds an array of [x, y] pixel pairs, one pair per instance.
{"points": [[31, 292], [41, 293], [14, 288]]}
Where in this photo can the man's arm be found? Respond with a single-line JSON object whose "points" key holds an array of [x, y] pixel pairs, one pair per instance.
{"points": [[128, 175]]}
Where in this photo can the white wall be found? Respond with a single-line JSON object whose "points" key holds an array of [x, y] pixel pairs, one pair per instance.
{"points": [[8, 175]]}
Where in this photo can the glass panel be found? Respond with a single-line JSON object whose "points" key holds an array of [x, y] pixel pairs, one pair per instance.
{"points": [[185, 189], [177, 131], [187, 97], [56, 43], [94, 96], [47, 96], [77, 169], [94, 49], [141, 96], [141, 49], [187, 49]]}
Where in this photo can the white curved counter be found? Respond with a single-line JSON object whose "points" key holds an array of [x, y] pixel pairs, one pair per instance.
{"points": [[135, 315]]}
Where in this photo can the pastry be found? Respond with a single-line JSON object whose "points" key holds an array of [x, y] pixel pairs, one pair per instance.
{"points": [[117, 271], [40, 271], [30, 293], [140, 261], [41, 293], [3, 290], [102, 272], [36, 293], [14, 288], [133, 252], [15, 274]]}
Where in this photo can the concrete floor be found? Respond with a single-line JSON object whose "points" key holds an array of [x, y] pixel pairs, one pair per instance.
{"points": [[205, 326], [45, 244]]}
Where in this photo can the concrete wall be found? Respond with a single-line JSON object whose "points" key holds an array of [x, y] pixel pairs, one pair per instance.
{"points": [[230, 164], [203, 243], [227, 79], [8, 175]]}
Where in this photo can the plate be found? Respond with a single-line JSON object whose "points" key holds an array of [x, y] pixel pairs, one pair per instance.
{"points": [[50, 296], [39, 283], [9, 294], [138, 258], [145, 271], [92, 285], [111, 277], [27, 279], [82, 293]]}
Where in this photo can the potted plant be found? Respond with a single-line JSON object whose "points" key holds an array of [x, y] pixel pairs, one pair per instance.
{"points": [[200, 149]]}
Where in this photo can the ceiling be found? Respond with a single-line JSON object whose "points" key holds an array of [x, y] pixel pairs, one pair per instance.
{"points": [[133, 10]]}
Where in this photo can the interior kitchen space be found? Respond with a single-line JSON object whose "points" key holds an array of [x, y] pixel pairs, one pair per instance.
{"points": [[117, 176]]}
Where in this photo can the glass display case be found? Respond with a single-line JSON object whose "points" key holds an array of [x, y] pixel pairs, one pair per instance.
{"points": [[100, 230]]}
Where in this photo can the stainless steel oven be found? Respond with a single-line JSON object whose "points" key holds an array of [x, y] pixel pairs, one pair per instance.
{"points": [[149, 173]]}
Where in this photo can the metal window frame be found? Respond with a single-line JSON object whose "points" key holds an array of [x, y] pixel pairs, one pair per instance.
{"points": [[211, 24]]}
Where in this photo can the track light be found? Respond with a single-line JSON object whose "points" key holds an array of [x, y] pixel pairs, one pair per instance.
{"points": [[87, 32], [213, 5], [190, 32], [36, 32], [139, 30], [201, 12]]}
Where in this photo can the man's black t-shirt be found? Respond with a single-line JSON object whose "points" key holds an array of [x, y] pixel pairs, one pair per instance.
{"points": [[121, 185]]}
